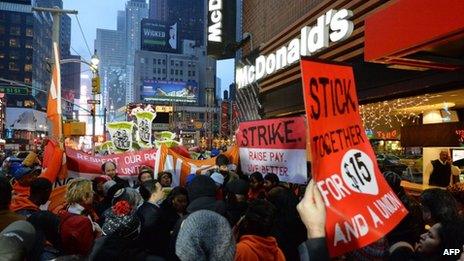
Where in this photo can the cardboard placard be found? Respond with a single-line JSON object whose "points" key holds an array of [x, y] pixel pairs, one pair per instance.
{"points": [[361, 207], [274, 146]]}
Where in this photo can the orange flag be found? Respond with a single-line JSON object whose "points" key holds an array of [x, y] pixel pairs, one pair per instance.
{"points": [[54, 97]]}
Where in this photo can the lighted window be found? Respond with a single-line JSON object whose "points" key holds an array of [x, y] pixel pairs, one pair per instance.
{"points": [[28, 45], [2, 55], [29, 32], [14, 43], [28, 68], [29, 103]]}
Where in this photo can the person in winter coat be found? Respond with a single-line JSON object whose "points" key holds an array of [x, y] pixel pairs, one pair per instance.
{"points": [[202, 195], [120, 234], [257, 190], [256, 242], [77, 229], [205, 235], [236, 200], [110, 169], [47, 240], [6, 215], [40, 190], [149, 213]]}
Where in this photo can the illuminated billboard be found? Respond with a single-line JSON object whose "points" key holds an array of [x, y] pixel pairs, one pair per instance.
{"points": [[158, 36], [153, 90]]}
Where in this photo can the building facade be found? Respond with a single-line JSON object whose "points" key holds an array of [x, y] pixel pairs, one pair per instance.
{"points": [[158, 10], [403, 85]]}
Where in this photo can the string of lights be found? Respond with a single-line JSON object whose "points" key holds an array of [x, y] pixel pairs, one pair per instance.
{"points": [[395, 112]]}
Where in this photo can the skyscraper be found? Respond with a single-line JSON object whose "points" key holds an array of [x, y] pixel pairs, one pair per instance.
{"points": [[218, 88], [136, 10], [158, 10], [121, 22]]}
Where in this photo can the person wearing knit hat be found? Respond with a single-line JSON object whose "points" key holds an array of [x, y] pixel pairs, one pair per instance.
{"points": [[122, 221], [202, 195], [205, 235], [16, 240], [218, 178], [236, 200], [256, 242]]}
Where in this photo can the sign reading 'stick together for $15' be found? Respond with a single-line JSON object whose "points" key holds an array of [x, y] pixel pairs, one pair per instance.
{"points": [[361, 207]]}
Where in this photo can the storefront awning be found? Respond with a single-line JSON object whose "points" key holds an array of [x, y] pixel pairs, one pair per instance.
{"points": [[417, 34]]}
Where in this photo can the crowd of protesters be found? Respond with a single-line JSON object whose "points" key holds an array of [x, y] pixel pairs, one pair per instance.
{"points": [[218, 215]]}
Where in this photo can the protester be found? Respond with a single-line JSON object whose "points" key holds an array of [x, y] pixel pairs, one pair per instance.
{"points": [[432, 244], [100, 205], [410, 227], [145, 174], [271, 181], [256, 242], [77, 229], [205, 235], [16, 240], [39, 193], [130, 195], [219, 181], [223, 166], [438, 206], [236, 200], [152, 236], [313, 214], [47, 240], [6, 215], [256, 186], [174, 207], [165, 179], [289, 230], [110, 169], [202, 195], [121, 230]]}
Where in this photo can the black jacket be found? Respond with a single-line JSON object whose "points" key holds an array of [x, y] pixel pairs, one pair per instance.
{"points": [[152, 237], [314, 249]]}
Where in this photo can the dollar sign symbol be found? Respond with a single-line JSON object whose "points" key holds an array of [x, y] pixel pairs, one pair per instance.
{"points": [[353, 178]]}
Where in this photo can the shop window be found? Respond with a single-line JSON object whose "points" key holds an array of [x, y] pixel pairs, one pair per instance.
{"points": [[13, 66], [29, 103], [14, 30], [29, 32], [14, 43], [28, 68]]}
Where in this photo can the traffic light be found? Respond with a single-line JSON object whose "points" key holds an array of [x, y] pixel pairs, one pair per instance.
{"points": [[96, 85]]}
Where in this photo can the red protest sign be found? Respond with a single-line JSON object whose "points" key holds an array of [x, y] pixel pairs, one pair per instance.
{"points": [[274, 146], [361, 207], [127, 163]]}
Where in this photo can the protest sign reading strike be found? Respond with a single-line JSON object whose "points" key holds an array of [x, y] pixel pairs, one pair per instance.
{"points": [[274, 146], [361, 207]]}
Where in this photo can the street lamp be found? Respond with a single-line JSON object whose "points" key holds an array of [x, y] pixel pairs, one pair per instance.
{"points": [[94, 59]]}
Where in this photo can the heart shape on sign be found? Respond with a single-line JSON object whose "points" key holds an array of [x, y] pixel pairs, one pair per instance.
{"points": [[358, 173]]}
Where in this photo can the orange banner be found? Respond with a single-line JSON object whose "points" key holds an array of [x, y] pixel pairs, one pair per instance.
{"points": [[361, 207], [181, 167]]}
